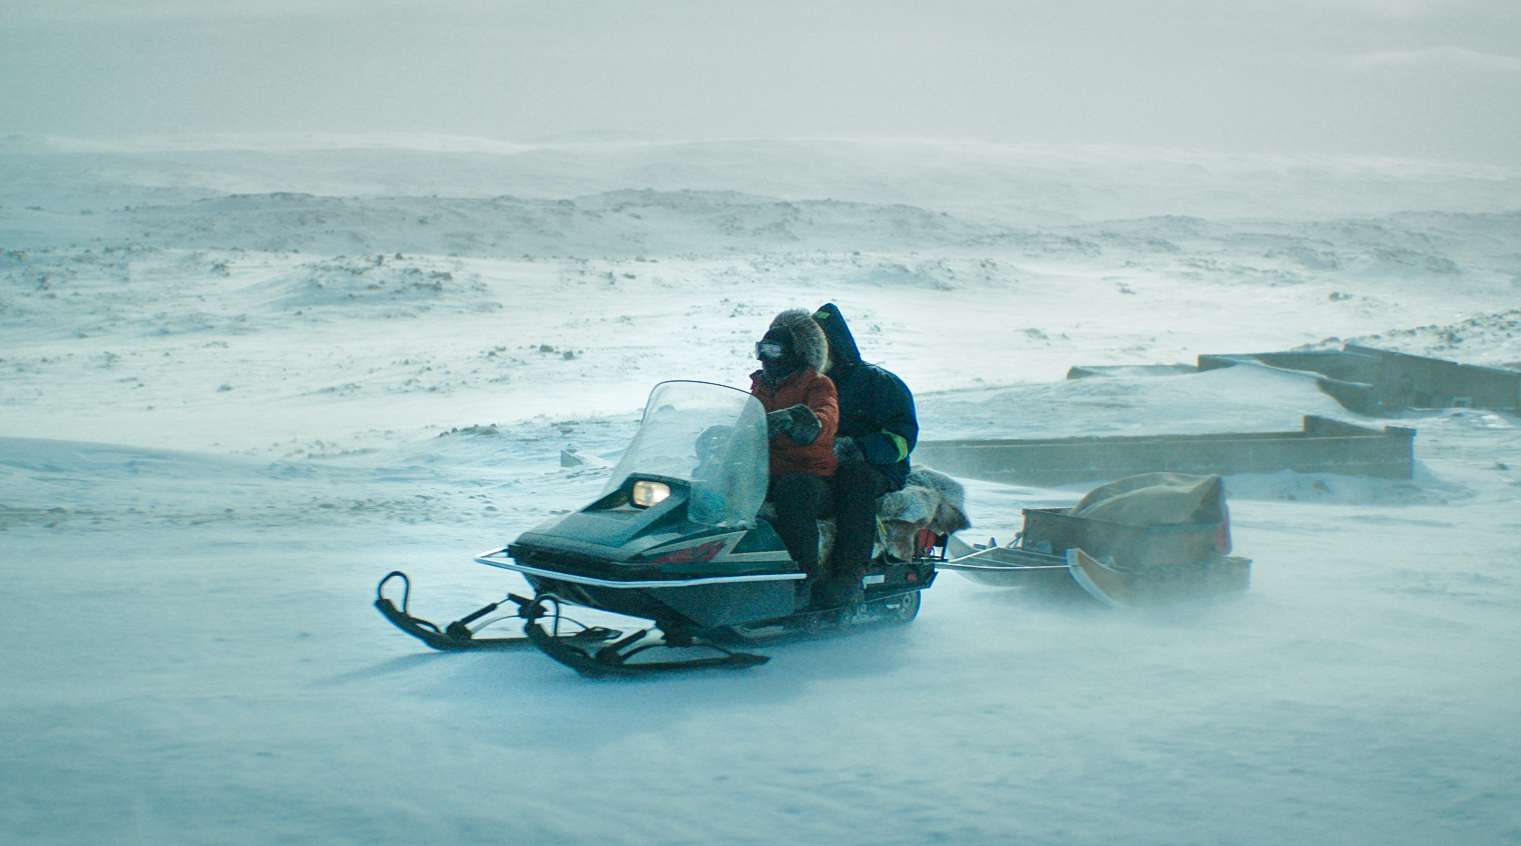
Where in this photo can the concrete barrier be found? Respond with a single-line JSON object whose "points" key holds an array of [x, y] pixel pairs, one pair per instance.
{"points": [[1322, 446], [1335, 364], [1090, 371], [1374, 381], [1415, 381]]}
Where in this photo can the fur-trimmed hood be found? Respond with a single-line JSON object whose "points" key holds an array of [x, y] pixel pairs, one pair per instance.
{"points": [[808, 339]]}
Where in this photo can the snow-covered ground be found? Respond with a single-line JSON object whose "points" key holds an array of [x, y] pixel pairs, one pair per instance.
{"points": [[241, 381]]}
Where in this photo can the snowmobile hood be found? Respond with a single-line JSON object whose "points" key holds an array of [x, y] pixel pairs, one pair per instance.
{"points": [[609, 543], [842, 344]]}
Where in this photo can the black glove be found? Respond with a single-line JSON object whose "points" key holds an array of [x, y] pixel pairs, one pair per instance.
{"points": [[797, 422], [778, 423], [847, 451]]}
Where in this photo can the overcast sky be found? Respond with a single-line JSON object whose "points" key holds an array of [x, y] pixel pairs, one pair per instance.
{"points": [[1425, 78]]}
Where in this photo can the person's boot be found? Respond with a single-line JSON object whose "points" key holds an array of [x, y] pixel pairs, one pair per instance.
{"points": [[807, 590], [838, 590]]}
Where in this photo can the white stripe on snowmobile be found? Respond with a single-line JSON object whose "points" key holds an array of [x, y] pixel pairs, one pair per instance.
{"points": [[650, 583]]}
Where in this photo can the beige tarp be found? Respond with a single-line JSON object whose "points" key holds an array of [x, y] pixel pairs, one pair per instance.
{"points": [[1155, 499]]}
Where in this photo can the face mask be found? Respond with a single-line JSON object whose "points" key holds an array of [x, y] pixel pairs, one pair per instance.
{"points": [[770, 351], [774, 360], [776, 371]]}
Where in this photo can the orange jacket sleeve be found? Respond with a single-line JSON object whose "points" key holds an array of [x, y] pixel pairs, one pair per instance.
{"points": [[825, 403]]}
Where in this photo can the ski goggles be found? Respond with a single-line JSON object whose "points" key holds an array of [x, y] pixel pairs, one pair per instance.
{"points": [[770, 351]]}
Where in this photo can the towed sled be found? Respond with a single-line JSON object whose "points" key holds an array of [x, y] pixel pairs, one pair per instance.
{"points": [[675, 540], [1152, 539]]}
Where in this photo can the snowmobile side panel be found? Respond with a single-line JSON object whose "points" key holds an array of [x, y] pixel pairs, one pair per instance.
{"points": [[498, 558], [712, 605], [895, 605], [691, 606]]}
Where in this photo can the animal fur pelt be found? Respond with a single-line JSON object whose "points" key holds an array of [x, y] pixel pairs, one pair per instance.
{"points": [[929, 500]]}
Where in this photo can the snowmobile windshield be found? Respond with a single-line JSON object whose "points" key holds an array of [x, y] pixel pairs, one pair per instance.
{"points": [[711, 436]]}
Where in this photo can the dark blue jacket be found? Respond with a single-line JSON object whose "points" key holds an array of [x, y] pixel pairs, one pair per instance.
{"points": [[876, 408]]}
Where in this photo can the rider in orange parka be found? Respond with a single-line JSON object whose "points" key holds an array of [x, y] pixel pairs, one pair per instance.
{"points": [[803, 413]]}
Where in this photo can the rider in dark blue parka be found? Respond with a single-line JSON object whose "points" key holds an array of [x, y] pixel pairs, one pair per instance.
{"points": [[878, 429]]}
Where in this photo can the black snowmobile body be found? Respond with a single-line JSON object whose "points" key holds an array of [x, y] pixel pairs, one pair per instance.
{"points": [[675, 540], [656, 563]]}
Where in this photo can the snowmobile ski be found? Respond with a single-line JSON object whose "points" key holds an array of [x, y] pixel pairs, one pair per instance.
{"points": [[620, 657], [458, 636], [708, 649]]}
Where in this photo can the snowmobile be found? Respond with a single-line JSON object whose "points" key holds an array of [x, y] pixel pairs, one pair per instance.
{"points": [[677, 539]]}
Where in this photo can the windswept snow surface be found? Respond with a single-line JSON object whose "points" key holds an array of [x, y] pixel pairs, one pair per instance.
{"points": [[239, 384]]}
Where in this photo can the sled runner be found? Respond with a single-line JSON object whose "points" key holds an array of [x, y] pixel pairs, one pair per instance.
{"points": [[1122, 588]]}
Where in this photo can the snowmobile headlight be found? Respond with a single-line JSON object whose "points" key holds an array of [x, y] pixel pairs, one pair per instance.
{"points": [[648, 493]]}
